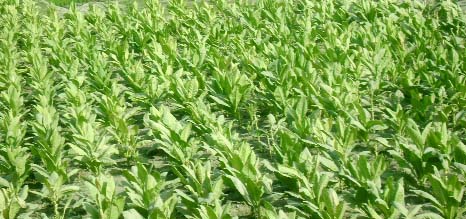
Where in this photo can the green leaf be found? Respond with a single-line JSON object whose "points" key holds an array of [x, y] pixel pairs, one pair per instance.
{"points": [[92, 210], [372, 213], [220, 101], [240, 187], [427, 196], [4, 183], [413, 132], [429, 215], [132, 214]]}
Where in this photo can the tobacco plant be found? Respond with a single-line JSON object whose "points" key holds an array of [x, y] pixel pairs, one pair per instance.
{"points": [[233, 109]]}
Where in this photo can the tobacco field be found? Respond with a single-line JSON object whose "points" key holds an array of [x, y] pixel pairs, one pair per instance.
{"points": [[325, 109]]}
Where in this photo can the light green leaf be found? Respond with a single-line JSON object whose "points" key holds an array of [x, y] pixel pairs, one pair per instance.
{"points": [[132, 214]]}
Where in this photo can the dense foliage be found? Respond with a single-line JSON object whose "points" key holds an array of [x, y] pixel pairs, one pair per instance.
{"points": [[264, 109]]}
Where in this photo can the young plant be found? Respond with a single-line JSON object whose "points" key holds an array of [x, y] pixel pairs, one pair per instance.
{"points": [[149, 194], [103, 200], [446, 196], [173, 135], [201, 187], [55, 190], [242, 172]]}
